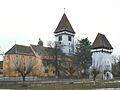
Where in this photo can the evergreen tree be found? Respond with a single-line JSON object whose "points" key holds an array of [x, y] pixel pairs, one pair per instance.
{"points": [[83, 54], [40, 42]]}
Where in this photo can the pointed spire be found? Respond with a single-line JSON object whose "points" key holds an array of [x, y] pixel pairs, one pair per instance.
{"points": [[101, 42], [64, 10], [64, 25]]}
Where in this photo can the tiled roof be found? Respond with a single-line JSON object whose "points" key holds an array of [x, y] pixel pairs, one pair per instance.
{"points": [[47, 53], [20, 49], [101, 42], [64, 24], [42, 50]]}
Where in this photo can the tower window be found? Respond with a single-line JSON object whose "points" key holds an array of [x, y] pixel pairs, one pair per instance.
{"points": [[69, 38], [69, 50], [60, 38]]}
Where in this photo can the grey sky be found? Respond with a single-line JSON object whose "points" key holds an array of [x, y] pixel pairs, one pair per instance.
{"points": [[24, 21]]}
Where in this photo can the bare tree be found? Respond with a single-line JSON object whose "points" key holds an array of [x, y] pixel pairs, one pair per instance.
{"points": [[56, 52], [94, 72], [24, 67], [50, 44], [116, 66], [71, 69]]}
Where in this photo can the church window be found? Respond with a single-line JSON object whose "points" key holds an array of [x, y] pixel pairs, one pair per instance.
{"points": [[60, 38], [53, 71], [69, 38], [16, 56], [6, 58]]}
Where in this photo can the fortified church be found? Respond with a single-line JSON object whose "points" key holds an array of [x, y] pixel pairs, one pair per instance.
{"points": [[64, 36]]}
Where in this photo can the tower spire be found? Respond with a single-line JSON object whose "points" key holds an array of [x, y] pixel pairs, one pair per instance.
{"points": [[64, 24], [64, 34], [64, 10]]}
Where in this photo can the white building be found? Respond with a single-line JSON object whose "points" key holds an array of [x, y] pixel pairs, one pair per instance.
{"points": [[64, 35], [101, 55]]}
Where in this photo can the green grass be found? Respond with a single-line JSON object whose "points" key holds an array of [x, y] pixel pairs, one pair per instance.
{"points": [[63, 86]]}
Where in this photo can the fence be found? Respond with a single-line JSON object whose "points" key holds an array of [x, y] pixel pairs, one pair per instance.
{"points": [[45, 83]]}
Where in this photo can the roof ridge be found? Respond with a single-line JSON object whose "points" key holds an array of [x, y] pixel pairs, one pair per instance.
{"points": [[20, 49], [22, 45]]}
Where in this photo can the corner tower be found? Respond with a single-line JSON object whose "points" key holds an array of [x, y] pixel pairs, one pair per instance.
{"points": [[64, 35], [101, 56]]}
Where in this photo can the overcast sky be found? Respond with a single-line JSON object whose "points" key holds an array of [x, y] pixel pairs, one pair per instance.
{"points": [[25, 21]]}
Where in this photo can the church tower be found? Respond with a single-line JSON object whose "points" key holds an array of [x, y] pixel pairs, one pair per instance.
{"points": [[64, 35]]}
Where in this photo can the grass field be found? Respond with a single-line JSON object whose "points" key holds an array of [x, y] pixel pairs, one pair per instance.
{"points": [[62, 86]]}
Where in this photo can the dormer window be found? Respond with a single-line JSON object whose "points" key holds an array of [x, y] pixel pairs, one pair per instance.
{"points": [[60, 38], [69, 38]]}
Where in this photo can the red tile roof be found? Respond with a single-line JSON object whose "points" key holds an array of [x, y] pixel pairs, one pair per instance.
{"points": [[64, 24], [101, 42]]}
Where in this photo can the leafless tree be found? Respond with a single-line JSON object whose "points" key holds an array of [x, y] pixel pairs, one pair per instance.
{"points": [[94, 72], [50, 44], [116, 66], [24, 67], [71, 69], [56, 52]]}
